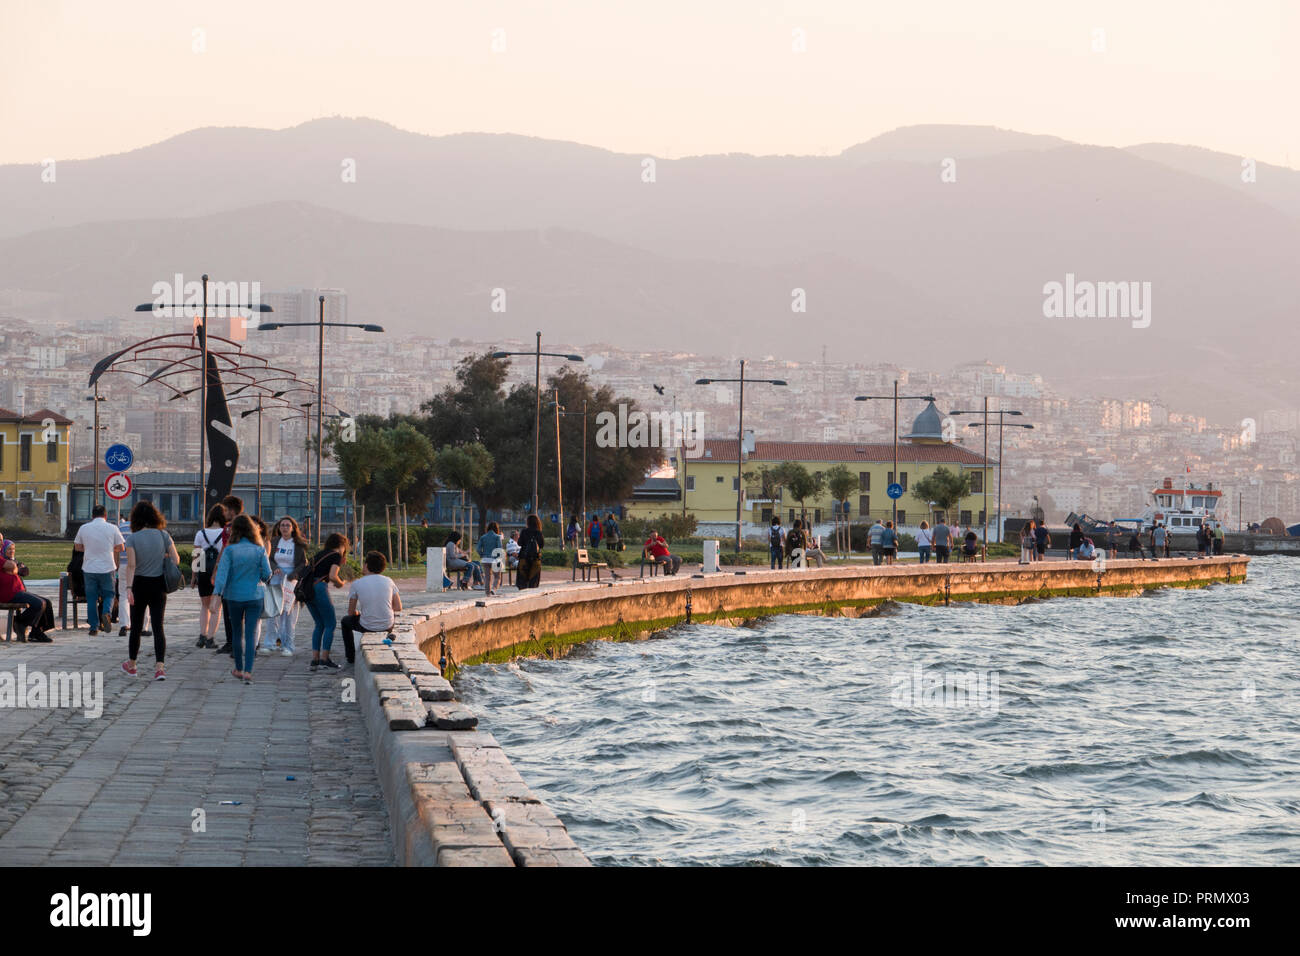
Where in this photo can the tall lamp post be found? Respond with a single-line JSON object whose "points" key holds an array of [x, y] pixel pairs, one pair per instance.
{"points": [[1002, 423], [985, 469], [96, 398], [537, 418], [740, 432], [320, 324], [258, 412], [582, 413], [203, 377], [895, 398]]}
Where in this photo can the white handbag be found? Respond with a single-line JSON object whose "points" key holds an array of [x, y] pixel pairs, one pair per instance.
{"points": [[272, 600]]}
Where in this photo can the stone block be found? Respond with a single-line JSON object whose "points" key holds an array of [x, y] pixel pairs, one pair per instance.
{"points": [[518, 838], [433, 687], [449, 716], [544, 857], [380, 660], [441, 772], [403, 715], [474, 856]]}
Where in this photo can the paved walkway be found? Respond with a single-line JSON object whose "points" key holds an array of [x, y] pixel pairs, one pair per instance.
{"points": [[145, 783]]}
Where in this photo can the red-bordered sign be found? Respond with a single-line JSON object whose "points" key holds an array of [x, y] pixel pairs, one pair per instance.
{"points": [[118, 485]]}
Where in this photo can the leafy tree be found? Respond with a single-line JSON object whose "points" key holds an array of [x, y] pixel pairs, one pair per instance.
{"points": [[768, 479], [945, 488], [841, 482], [465, 467], [410, 453], [800, 483]]}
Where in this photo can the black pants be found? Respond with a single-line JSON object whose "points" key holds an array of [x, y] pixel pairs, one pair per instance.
{"points": [[349, 625], [37, 608], [148, 593], [225, 616], [940, 554]]}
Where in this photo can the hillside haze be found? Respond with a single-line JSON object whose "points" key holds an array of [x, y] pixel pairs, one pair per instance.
{"points": [[896, 264]]}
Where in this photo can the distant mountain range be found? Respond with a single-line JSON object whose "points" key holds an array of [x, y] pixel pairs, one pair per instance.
{"points": [[896, 264]]}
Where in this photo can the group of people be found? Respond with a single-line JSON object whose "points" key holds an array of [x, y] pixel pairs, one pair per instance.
{"points": [[521, 552], [34, 622], [595, 532], [786, 547], [250, 577]]}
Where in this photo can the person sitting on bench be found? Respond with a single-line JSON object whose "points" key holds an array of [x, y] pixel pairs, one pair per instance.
{"points": [[971, 547], [371, 604], [38, 615], [656, 549]]}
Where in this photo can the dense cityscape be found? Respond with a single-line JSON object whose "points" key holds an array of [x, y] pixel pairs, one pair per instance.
{"points": [[1099, 455]]}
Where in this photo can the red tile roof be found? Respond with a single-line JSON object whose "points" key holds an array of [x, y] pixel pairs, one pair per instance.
{"points": [[724, 449], [7, 415]]}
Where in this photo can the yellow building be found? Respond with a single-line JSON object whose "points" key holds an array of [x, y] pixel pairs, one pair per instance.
{"points": [[34, 472], [711, 481]]}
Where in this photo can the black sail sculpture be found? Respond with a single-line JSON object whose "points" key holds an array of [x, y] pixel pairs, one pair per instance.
{"points": [[222, 449]]}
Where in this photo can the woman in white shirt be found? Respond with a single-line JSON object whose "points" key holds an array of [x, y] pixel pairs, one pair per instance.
{"points": [[924, 540], [206, 541], [288, 555]]}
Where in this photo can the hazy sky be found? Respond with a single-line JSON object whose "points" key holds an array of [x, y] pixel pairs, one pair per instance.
{"points": [[82, 78]]}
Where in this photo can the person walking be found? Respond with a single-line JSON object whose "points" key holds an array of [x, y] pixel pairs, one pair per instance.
{"points": [[889, 543], [1042, 541], [372, 602], [776, 545], [924, 541], [613, 534], [1202, 540], [531, 545], [240, 574], [1112, 540], [1158, 540], [1076, 541], [288, 554], [100, 544], [234, 507], [1027, 541], [146, 553], [208, 542], [321, 575], [491, 553], [594, 531], [942, 542], [875, 538], [573, 532], [1218, 537]]}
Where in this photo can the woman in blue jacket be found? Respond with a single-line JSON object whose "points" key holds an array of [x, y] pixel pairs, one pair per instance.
{"points": [[240, 574]]}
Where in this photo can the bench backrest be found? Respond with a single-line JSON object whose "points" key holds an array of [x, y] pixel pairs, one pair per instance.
{"points": [[581, 556]]}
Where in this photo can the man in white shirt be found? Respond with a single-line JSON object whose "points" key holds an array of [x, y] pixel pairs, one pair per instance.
{"points": [[377, 599], [100, 543]]}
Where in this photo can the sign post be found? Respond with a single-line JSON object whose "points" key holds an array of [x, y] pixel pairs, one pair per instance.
{"points": [[118, 486]]}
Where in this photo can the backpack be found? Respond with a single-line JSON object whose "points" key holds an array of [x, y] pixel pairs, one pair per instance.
{"points": [[594, 531], [211, 555], [774, 536], [794, 541], [529, 550]]}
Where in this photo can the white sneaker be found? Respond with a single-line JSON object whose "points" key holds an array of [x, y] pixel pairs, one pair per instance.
{"points": [[264, 650], [286, 653]]}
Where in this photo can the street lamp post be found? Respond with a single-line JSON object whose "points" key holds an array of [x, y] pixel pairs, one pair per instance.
{"points": [[96, 398], [1002, 423], [740, 433], [895, 398], [321, 325], [537, 416]]}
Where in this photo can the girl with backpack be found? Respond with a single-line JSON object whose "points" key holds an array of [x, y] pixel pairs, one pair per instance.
{"points": [[594, 531], [207, 552]]}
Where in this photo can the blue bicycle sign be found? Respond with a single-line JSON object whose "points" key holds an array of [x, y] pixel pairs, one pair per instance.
{"points": [[118, 457], [895, 491]]}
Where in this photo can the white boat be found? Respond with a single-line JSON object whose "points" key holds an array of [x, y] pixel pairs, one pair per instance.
{"points": [[1182, 510]]}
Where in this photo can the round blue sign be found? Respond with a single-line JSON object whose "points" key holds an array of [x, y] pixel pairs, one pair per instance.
{"points": [[118, 457], [894, 491]]}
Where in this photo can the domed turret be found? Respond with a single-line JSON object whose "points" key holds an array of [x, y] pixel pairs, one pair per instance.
{"points": [[928, 426]]}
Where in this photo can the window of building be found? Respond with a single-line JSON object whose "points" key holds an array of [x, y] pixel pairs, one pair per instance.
{"points": [[977, 482], [165, 504], [2, 453], [2, 504], [720, 479], [52, 450], [690, 482], [81, 504], [791, 522], [902, 518], [51, 502], [25, 453], [25, 503], [864, 481], [981, 521], [735, 484], [817, 516], [864, 505], [186, 507], [964, 518]]}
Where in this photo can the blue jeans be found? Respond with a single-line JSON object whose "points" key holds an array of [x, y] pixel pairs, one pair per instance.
{"points": [[99, 596], [925, 552], [776, 555], [322, 613], [244, 616]]}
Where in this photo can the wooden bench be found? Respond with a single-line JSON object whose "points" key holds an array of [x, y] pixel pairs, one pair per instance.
{"points": [[582, 561], [981, 554], [69, 597], [9, 624]]}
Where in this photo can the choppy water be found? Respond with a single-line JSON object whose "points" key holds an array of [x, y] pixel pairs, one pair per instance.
{"points": [[1156, 730]]}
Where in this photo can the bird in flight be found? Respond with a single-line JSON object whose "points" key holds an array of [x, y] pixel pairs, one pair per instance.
{"points": [[659, 389]]}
